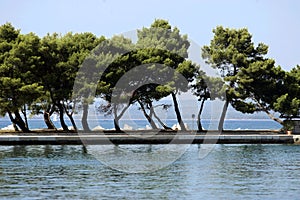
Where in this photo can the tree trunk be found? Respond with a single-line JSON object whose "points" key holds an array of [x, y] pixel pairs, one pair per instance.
{"points": [[72, 121], [15, 126], [200, 128], [25, 116], [118, 117], [13, 121], [161, 123], [268, 113], [61, 117], [158, 119], [84, 121], [117, 125], [19, 121], [148, 117], [273, 117], [178, 115], [223, 115], [70, 115], [47, 119]]}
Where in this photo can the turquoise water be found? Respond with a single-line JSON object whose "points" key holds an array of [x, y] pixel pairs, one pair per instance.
{"points": [[228, 172]]}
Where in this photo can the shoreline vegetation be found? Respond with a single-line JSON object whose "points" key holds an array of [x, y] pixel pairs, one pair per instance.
{"points": [[64, 74]]}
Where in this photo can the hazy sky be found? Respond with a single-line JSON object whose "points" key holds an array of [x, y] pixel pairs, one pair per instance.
{"points": [[276, 23]]}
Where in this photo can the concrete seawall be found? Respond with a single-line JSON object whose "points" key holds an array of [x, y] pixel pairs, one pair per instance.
{"points": [[155, 139]]}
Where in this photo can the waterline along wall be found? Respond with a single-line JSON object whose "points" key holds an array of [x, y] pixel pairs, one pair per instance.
{"points": [[156, 139]]}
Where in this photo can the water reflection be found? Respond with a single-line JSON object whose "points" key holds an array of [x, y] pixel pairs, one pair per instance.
{"points": [[40, 150], [229, 172]]}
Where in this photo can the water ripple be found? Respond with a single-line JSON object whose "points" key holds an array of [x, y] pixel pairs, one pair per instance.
{"points": [[229, 172]]}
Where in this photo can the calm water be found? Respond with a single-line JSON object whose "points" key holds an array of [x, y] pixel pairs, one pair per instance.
{"points": [[233, 124], [228, 172]]}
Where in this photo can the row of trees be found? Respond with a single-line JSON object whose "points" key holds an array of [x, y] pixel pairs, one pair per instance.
{"points": [[40, 75]]}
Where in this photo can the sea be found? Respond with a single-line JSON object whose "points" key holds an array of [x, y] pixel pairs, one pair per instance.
{"points": [[228, 172], [139, 124], [225, 171]]}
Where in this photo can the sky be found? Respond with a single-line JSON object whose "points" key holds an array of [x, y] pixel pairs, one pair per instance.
{"points": [[275, 23]]}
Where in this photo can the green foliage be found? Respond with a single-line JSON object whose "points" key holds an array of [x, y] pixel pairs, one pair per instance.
{"points": [[232, 49], [207, 87], [17, 81], [160, 47], [254, 82], [288, 125], [250, 95], [288, 104], [165, 45], [63, 55], [40, 73], [8, 33], [161, 36], [161, 50]]}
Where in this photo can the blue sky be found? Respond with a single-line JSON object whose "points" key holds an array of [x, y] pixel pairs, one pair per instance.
{"points": [[275, 23]]}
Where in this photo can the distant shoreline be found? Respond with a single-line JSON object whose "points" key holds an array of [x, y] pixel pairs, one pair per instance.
{"points": [[143, 125]]}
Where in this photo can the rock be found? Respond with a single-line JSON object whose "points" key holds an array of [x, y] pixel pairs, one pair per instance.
{"points": [[177, 126], [8, 128], [127, 127], [98, 128]]}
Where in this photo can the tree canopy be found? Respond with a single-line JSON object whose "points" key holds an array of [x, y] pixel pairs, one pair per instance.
{"points": [[288, 104], [254, 82], [18, 61], [162, 51], [38, 75]]}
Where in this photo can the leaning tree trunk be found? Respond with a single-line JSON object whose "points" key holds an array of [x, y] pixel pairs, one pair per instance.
{"points": [[70, 115], [25, 116], [268, 113], [13, 121], [148, 117], [178, 115], [47, 119], [84, 121], [223, 115], [72, 120], [118, 117], [273, 117], [19, 121], [61, 117], [152, 112]]}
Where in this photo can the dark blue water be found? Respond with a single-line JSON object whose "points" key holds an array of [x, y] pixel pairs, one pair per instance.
{"points": [[228, 172]]}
